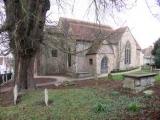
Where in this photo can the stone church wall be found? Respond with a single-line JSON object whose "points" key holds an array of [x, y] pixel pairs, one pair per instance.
{"points": [[49, 65], [127, 36]]}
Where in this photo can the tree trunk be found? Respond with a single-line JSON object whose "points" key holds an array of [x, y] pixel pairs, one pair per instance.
{"points": [[26, 20], [24, 72]]}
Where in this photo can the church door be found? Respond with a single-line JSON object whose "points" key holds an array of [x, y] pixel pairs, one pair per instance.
{"points": [[104, 65]]}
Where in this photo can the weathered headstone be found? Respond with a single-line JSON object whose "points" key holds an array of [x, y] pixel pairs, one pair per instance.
{"points": [[46, 97], [6, 77], [12, 76], [15, 94], [3, 79], [138, 82]]}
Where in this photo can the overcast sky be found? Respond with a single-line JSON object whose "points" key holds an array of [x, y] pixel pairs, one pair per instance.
{"points": [[144, 26]]}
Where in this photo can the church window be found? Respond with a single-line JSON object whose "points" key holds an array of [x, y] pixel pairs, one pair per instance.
{"points": [[91, 61], [127, 59], [54, 53]]}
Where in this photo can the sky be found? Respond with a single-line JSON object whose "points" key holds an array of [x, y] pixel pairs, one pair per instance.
{"points": [[144, 26]]}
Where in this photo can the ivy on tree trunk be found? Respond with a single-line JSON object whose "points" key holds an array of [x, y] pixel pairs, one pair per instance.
{"points": [[25, 21]]}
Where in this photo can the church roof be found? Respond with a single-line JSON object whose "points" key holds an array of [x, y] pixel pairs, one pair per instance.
{"points": [[96, 33], [112, 39], [74, 21], [86, 31]]}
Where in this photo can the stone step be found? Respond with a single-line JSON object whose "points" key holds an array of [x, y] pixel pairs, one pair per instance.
{"points": [[83, 74]]}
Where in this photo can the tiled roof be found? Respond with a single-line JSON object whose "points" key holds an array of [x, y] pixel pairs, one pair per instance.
{"points": [[81, 30], [147, 51], [113, 38], [69, 20], [96, 33]]}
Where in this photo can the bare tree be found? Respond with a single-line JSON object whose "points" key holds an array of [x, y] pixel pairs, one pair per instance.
{"points": [[154, 7]]}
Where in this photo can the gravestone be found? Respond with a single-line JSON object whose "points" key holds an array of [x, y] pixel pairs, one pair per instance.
{"points": [[138, 82], [46, 97], [15, 94]]}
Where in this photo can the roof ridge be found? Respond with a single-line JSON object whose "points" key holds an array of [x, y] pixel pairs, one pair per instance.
{"points": [[76, 21], [120, 28]]}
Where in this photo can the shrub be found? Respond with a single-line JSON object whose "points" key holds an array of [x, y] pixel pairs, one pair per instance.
{"points": [[100, 107], [114, 93], [134, 107]]}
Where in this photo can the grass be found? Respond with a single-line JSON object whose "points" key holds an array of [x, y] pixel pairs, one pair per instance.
{"points": [[117, 77], [146, 68], [121, 77], [73, 104], [125, 70], [141, 72], [134, 107], [157, 78]]}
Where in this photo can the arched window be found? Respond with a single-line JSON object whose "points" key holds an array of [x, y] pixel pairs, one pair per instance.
{"points": [[127, 59], [104, 65]]}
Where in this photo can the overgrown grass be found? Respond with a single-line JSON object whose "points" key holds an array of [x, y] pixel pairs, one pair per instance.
{"points": [[117, 77], [134, 107], [146, 68], [141, 72], [72, 104], [157, 78]]}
